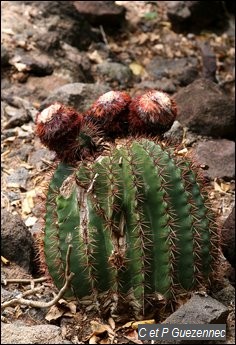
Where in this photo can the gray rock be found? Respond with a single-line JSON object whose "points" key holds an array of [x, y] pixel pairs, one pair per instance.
{"points": [[205, 109], [18, 117], [194, 16], [40, 334], [199, 310], [228, 238], [226, 295], [78, 95], [63, 23], [218, 156], [164, 84], [39, 65], [23, 152], [18, 179], [183, 70], [208, 61], [5, 294], [114, 71], [16, 241], [35, 157], [175, 133], [101, 12]]}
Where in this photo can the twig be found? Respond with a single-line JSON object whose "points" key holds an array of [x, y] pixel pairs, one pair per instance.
{"points": [[24, 281], [104, 36], [38, 304]]}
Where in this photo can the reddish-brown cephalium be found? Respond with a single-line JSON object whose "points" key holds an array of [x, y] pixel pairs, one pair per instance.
{"points": [[152, 113], [58, 126], [110, 113]]}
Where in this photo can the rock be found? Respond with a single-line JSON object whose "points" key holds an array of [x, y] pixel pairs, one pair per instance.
{"points": [[63, 23], [218, 156], [39, 334], [49, 42], [194, 16], [208, 61], [103, 13], [113, 71], [183, 70], [6, 295], [164, 84], [78, 95], [16, 241], [226, 295], [228, 237], [175, 133], [199, 310], [205, 109], [18, 179], [35, 157], [39, 65], [18, 117]]}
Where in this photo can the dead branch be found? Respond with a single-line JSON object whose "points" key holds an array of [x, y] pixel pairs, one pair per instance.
{"points": [[24, 281], [38, 304]]}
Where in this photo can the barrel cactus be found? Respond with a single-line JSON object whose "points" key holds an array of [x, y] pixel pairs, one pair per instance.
{"points": [[138, 219]]}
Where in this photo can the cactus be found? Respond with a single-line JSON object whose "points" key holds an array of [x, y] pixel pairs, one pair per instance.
{"points": [[139, 223]]}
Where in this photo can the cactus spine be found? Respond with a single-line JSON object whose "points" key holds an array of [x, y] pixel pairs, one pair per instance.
{"points": [[138, 222]]}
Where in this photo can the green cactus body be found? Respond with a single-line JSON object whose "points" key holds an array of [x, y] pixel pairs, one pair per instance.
{"points": [[138, 222]]}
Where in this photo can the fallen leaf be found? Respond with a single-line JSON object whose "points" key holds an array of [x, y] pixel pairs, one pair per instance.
{"points": [[4, 260], [134, 324], [98, 328], [217, 187], [54, 313], [111, 323], [94, 339], [95, 57], [143, 37], [182, 152], [136, 68], [225, 187], [28, 202]]}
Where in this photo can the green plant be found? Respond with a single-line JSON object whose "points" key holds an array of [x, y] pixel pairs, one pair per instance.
{"points": [[139, 223]]}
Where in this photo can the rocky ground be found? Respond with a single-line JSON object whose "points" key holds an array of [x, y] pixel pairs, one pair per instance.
{"points": [[73, 52]]}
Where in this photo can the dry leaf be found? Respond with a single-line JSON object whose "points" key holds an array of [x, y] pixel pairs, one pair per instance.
{"points": [[98, 328], [111, 323], [225, 187], [136, 68], [4, 260], [95, 57], [54, 313], [134, 339], [28, 202], [182, 152], [134, 324], [154, 37], [70, 305], [98, 331], [94, 339], [143, 37], [217, 187]]}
